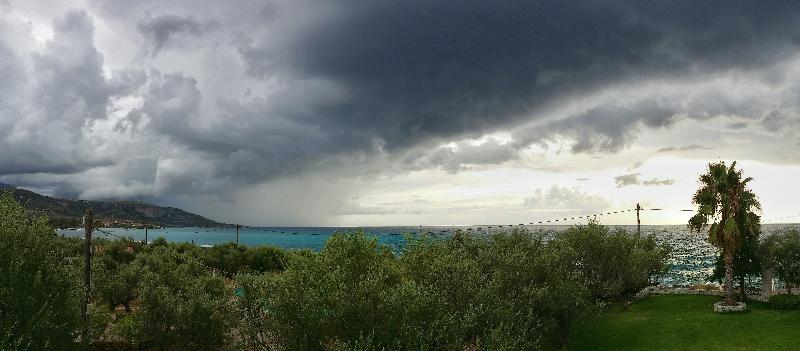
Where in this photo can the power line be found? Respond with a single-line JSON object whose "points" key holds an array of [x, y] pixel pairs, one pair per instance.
{"points": [[667, 209], [578, 217], [780, 218]]}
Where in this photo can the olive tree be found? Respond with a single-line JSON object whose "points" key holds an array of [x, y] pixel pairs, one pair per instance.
{"points": [[114, 279], [614, 263], [40, 293], [786, 258], [181, 304]]}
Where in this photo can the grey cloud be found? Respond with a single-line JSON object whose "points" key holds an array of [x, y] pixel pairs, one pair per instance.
{"points": [[692, 147], [52, 110], [170, 101], [737, 125], [603, 128], [564, 198], [369, 80], [773, 121], [627, 179], [417, 70], [781, 120], [635, 179], [464, 154], [612, 123], [69, 72], [656, 181], [161, 30]]}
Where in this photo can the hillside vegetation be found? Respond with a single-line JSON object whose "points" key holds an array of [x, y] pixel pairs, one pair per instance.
{"points": [[67, 212]]}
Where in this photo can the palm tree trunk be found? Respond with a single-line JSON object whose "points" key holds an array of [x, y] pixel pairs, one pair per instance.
{"points": [[729, 300]]}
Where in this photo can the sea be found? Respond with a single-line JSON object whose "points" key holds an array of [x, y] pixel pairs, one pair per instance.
{"points": [[691, 260]]}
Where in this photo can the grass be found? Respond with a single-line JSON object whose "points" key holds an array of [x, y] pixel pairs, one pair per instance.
{"points": [[686, 322]]}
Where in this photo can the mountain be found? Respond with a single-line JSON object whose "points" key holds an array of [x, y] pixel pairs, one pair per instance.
{"points": [[68, 212]]}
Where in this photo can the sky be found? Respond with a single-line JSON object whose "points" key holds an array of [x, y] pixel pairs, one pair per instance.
{"points": [[386, 112]]}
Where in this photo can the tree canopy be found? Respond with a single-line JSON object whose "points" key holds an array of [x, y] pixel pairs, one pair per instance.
{"points": [[727, 208], [40, 293]]}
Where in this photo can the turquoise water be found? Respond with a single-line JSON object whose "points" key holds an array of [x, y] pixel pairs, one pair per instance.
{"points": [[313, 238], [691, 260]]}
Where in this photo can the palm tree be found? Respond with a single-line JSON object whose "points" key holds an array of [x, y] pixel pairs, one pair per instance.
{"points": [[724, 200]]}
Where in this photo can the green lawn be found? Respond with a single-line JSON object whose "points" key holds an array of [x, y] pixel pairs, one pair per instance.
{"points": [[688, 323]]}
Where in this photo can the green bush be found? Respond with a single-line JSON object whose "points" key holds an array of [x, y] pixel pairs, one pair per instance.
{"points": [[40, 295], [786, 257], [114, 278], [234, 258], [512, 291], [785, 302], [341, 293], [508, 293], [614, 263], [181, 305], [230, 258]]}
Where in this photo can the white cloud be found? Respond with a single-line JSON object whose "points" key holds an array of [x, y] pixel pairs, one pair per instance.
{"points": [[567, 199]]}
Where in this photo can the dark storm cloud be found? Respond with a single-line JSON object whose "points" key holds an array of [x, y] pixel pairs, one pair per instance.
{"points": [[160, 31], [362, 78], [605, 128], [367, 80], [417, 70]]}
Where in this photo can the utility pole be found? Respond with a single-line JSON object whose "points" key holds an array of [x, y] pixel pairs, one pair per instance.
{"points": [[145, 235], [638, 221], [237, 233], [88, 222]]}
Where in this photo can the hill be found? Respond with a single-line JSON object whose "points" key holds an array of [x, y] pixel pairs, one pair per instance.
{"points": [[68, 212]]}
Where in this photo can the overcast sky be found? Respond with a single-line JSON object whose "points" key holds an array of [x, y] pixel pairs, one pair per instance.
{"points": [[373, 112]]}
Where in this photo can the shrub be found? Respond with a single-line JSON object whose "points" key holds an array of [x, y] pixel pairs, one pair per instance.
{"points": [[786, 257], [114, 284], [614, 263], [785, 302], [257, 330], [40, 295], [341, 293], [182, 305], [114, 279], [512, 291], [230, 258]]}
